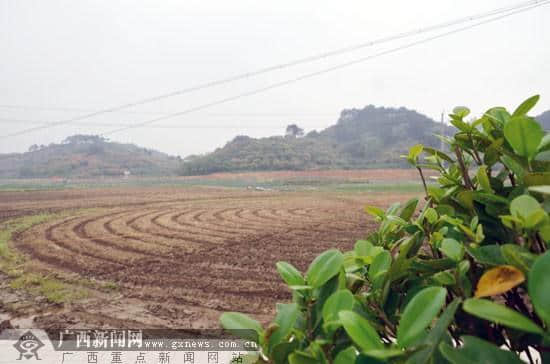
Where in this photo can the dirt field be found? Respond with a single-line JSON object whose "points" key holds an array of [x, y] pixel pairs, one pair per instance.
{"points": [[175, 257]]}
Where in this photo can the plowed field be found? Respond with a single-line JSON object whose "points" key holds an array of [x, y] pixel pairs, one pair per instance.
{"points": [[180, 257]]}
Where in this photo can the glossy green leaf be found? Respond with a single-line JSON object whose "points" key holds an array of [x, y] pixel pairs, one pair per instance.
{"points": [[545, 143], [301, 358], [461, 111], [431, 342], [486, 254], [419, 313], [360, 331], [290, 275], [483, 179], [524, 135], [518, 256], [324, 267], [408, 210], [375, 211], [285, 319], [380, 264], [341, 300], [500, 314], [444, 278], [538, 285], [346, 356], [526, 106], [452, 248], [523, 206], [477, 351], [241, 324], [414, 152]]}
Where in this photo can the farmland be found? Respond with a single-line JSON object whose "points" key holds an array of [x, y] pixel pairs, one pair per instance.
{"points": [[179, 253]]}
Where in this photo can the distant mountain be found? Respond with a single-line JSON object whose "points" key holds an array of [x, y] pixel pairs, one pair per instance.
{"points": [[361, 138], [82, 156], [544, 119]]}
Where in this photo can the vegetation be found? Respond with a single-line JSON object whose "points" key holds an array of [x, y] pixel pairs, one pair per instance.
{"points": [[11, 263], [360, 139], [463, 280], [81, 156]]}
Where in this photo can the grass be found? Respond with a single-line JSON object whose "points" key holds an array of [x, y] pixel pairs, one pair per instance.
{"points": [[12, 264]]}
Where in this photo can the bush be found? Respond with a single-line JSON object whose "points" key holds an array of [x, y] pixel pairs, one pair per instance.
{"points": [[466, 279]]}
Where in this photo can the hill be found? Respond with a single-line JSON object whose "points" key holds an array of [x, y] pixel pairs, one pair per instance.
{"points": [[544, 119], [82, 156], [361, 138]]}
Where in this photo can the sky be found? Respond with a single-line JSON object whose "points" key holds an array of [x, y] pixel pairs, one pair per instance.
{"points": [[62, 59]]}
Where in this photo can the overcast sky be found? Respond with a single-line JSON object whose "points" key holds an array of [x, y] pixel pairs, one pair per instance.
{"points": [[91, 55]]}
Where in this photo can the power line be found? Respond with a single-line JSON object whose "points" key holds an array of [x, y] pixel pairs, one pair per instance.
{"points": [[321, 72], [120, 125], [305, 60], [73, 109]]}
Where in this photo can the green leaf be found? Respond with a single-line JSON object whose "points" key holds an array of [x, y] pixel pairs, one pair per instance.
{"points": [[324, 267], [544, 143], [380, 264], [285, 319], [486, 254], [301, 358], [523, 206], [408, 210], [444, 278], [524, 135], [346, 356], [414, 152], [431, 215], [375, 211], [539, 286], [477, 351], [518, 256], [500, 314], [461, 111], [419, 313], [364, 248], [440, 154], [360, 331], [341, 300], [281, 352], [513, 166], [526, 105], [453, 249], [241, 324], [435, 336], [483, 179], [290, 275]]}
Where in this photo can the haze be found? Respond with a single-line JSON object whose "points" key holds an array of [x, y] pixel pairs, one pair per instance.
{"points": [[90, 55]]}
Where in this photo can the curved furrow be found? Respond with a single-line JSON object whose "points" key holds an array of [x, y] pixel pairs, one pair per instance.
{"points": [[93, 229], [188, 244], [170, 222]]}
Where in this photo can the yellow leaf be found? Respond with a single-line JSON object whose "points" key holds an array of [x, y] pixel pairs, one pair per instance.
{"points": [[498, 280]]}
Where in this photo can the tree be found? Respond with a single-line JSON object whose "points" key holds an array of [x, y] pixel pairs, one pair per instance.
{"points": [[84, 139], [294, 131]]}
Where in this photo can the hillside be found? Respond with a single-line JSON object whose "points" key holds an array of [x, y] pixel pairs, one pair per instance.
{"points": [[82, 156], [544, 119], [361, 138]]}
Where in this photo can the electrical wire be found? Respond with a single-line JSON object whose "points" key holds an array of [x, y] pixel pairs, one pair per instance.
{"points": [[521, 6], [321, 72]]}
